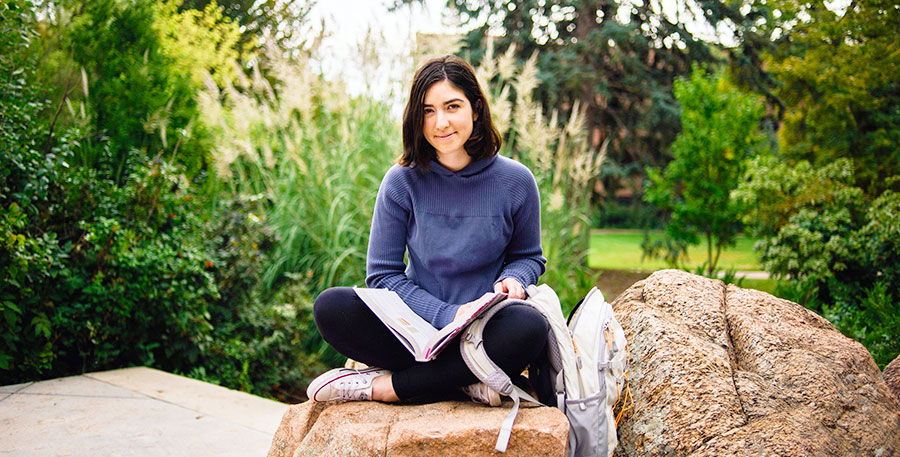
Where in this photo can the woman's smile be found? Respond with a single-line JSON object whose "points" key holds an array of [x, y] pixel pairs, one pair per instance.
{"points": [[448, 123]]}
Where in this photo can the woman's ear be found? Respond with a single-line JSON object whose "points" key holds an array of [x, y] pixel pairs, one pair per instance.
{"points": [[478, 108]]}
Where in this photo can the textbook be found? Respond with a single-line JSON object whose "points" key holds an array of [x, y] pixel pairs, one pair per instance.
{"points": [[423, 341]]}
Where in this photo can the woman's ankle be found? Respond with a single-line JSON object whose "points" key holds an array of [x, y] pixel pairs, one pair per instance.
{"points": [[383, 389]]}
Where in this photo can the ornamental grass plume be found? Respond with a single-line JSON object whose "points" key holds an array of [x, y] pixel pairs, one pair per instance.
{"points": [[561, 159], [313, 154]]}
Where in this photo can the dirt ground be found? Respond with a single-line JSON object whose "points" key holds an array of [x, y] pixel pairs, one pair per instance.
{"points": [[614, 282]]}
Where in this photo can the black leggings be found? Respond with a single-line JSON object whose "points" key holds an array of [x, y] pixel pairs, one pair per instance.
{"points": [[514, 337]]}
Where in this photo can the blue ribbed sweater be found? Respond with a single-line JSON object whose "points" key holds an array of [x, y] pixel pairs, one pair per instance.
{"points": [[462, 231]]}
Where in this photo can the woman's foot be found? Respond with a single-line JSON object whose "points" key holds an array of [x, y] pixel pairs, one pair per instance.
{"points": [[346, 384], [481, 393]]}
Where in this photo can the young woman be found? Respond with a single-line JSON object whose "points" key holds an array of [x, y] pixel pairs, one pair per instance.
{"points": [[468, 221]]}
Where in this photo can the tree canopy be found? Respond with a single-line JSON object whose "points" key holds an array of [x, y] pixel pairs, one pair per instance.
{"points": [[719, 133], [837, 77], [618, 63], [277, 20]]}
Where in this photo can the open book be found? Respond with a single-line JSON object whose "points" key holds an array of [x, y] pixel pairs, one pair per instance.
{"points": [[422, 340]]}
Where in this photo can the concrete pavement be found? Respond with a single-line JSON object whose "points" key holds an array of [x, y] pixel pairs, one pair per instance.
{"points": [[748, 274], [134, 412]]}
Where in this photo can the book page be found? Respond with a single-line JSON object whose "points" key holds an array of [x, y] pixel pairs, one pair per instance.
{"points": [[413, 331], [440, 339]]}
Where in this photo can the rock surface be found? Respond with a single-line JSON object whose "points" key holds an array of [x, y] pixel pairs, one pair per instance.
{"points": [[719, 370], [891, 376], [715, 370], [447, 428]]}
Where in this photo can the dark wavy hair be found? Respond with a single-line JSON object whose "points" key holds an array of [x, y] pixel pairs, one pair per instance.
{"points": [[485, 139]]}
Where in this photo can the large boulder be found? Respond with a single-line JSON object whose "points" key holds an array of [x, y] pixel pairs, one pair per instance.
{"points": [[718, 370], [446, 428], [891, 376], [715, 370]]}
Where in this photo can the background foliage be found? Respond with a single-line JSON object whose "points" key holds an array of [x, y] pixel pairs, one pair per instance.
{"points": [[839, 250], [113, 254], [176, 188], [619, 72], [719, 133]]}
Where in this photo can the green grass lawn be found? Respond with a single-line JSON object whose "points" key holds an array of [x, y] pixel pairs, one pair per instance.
{"points": [[765, 285], [621, 250]]}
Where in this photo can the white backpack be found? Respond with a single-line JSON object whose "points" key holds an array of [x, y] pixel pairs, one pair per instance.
{"points": [[587, 368]]}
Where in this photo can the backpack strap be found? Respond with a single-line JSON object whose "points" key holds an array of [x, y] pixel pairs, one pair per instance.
{"points": [[476, 358], [561, 349]]}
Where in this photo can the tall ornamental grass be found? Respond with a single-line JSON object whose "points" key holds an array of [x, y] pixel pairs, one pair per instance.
{"points": [[315, 157], [563, 163]]}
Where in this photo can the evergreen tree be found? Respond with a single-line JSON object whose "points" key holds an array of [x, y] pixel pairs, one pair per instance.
{"points": [[620, 70]]}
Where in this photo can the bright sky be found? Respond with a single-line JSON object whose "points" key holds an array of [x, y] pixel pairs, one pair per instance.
{"points": [[384, 68], [348, 21], [381, 69]]}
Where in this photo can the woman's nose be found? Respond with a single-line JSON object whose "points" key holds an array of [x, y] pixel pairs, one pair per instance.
{"points": [[441, 120]]}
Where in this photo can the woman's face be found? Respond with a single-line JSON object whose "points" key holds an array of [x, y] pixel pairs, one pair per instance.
{"points": [[448, 118]]}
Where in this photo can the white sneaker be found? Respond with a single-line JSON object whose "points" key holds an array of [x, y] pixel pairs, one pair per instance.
{"points": [[344, 384], [481, 393]]}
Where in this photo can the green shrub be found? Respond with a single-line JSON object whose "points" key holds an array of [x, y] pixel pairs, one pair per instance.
{"points": [[635, 215], [117, 276], [137, 286], [29, 257], [261, 342], [103, 261], [838, 251], [140, 64]]}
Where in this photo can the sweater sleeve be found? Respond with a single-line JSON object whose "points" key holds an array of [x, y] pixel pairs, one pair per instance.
{"points": [[524, 255], [385, 267]]}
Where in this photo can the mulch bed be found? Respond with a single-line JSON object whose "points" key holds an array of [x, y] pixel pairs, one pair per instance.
{"points": [[614, 282]]}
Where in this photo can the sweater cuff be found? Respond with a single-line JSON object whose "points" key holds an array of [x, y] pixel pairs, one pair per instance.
{"points": [[445, 316], [525, 277]]}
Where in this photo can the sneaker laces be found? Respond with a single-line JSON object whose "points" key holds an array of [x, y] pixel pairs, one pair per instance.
{"points": [[357, 386]]}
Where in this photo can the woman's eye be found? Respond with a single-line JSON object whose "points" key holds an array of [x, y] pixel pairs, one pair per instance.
{"points": [[453, 106]]}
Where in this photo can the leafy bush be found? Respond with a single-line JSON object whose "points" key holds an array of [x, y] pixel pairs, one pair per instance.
{"points": [[805, 218], [261, 342], [817, 229], [720, 131], [635, 215], [136, 286], [28, 257], [110, 258], [140, 64]]}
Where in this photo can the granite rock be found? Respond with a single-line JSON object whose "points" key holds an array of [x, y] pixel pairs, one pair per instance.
{"points": [[446, 428], [891, 376], [719, 370]]}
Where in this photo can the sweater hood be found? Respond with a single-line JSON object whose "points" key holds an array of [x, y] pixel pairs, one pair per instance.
{"points": [[475, 167]]}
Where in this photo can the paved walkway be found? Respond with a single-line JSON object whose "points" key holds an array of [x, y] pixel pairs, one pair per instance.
{"points": [[134, 412], [748, 274]]}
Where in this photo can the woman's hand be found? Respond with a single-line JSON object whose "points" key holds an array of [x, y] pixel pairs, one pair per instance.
{"points": [[464, 309], [512, 287]]}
